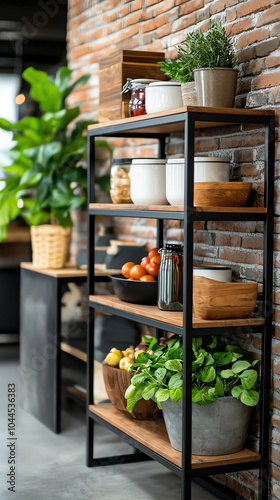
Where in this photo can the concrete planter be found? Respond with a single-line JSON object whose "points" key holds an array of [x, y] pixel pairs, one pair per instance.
{"points": [[189, 94], [216, 87], [217, 429]]}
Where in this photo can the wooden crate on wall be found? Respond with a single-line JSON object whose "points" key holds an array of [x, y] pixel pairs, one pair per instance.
{"points": [[113, 73]]}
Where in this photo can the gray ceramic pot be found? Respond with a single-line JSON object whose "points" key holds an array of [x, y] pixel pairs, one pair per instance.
{"points": [[217, 429], [215, 87]]}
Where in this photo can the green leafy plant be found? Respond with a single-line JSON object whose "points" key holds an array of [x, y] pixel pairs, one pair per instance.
{"points": [[211, 50], [46, 179], [218, 370]]}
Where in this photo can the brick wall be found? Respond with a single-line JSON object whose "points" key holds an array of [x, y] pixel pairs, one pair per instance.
{"points": [[94, 27]]}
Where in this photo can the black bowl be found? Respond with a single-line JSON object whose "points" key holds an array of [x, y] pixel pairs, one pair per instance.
{"points": [[138, 292]]}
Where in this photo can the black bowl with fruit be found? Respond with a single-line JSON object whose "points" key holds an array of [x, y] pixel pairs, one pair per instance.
{"points": [[138, 282]]}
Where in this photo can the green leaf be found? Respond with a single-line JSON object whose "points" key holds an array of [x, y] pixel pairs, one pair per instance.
{"points": [[104, 183], [227, 373], [162, 394], [3, 233], [174, 365], [62, 217], [138, 379], [248, 378], [130, 391], [236, 391], [176, 394], [63, 78], [175, 381], [249, 398], [80, 81], [239, 366], [42, 154], [30, 178], [45, 92], [206, 374], [54, 122], [222, 358], [196, 363], [44, 190], [149, 392], [219, 387], [160, 374], [35, 219]]}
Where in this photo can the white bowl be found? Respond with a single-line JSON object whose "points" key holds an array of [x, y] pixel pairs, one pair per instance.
{"points": [[161, 96], [217, 273], [211, 169]]}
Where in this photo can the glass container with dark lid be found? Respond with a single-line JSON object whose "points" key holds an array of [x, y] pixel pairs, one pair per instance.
{"points": [[170, 278], [120, 180]]}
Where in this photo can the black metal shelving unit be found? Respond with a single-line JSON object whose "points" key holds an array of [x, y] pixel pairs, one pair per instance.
{"points": [[185, 465]]}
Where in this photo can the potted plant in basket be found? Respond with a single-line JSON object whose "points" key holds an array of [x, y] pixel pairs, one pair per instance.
{"points": [[224, 381], [208, 60], [46, 179]]}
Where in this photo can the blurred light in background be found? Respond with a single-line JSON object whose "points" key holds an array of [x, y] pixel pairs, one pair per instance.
{"points": [[20, 98]]}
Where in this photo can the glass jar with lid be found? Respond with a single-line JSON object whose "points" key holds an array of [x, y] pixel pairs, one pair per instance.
{"points": [[120, 181], [137, 99]]}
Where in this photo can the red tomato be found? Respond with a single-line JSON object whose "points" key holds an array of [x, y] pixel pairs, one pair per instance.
{"points": [[153, 253], [152, 269], [156, 259], [126, 269], [137, 272], [145, 261], [147, 277]]}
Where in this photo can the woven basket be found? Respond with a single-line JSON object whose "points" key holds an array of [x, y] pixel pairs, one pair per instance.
{"points": [[50, 246]]}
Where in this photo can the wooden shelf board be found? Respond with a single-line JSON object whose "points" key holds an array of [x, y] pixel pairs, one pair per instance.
{"points": [[71, 272], [77, 353], [153, 435], [176, 208], [170, 317], [174, 127]]}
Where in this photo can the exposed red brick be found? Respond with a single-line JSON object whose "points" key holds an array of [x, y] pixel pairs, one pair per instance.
{"points": [[247, 8], [266, 81], [271, 16], [191, 6], [238, 27], [154, 24], [252, 37]]}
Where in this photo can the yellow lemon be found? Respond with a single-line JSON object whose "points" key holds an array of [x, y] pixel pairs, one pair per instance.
{"points": [[113, 358]]}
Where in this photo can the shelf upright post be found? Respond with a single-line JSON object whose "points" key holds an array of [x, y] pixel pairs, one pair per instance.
{"points": [[160, 222], [267, 307], [187, 307], [90, 291]]}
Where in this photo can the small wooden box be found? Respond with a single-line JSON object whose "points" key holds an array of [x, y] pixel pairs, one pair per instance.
{"points": [[113, 73]]}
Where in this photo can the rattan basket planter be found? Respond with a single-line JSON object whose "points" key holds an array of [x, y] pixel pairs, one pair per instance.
{"points": [[50, 246]]}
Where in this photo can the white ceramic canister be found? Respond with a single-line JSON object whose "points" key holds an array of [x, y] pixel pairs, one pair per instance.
{"points": [[175, 181], [161, 96], [211, 169], [217, 273], [147, 181]]}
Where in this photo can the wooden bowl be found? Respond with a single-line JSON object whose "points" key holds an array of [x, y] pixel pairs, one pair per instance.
{"points": [[116, 382], [217, 300], [221, 194]]}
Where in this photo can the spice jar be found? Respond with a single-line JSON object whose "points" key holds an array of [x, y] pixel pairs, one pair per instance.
{"points": [[120, 181], [170, 278]]}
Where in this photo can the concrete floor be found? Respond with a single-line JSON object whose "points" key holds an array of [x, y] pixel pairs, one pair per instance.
{"points": [[50, 466]]}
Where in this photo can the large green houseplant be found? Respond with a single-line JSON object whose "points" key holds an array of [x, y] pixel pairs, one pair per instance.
{"points": [[221, 375], [205, 60], [46, 179]]}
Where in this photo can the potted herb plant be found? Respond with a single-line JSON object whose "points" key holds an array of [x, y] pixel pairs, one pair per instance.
{"points": [[181, 69], [208, 60], [224, 390], [46, 178]]}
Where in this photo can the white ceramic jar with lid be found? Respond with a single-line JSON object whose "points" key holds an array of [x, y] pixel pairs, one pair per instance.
{"points": [[211, 169], [147, 181], [162, 96], [175, 181], [206, 169]]}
